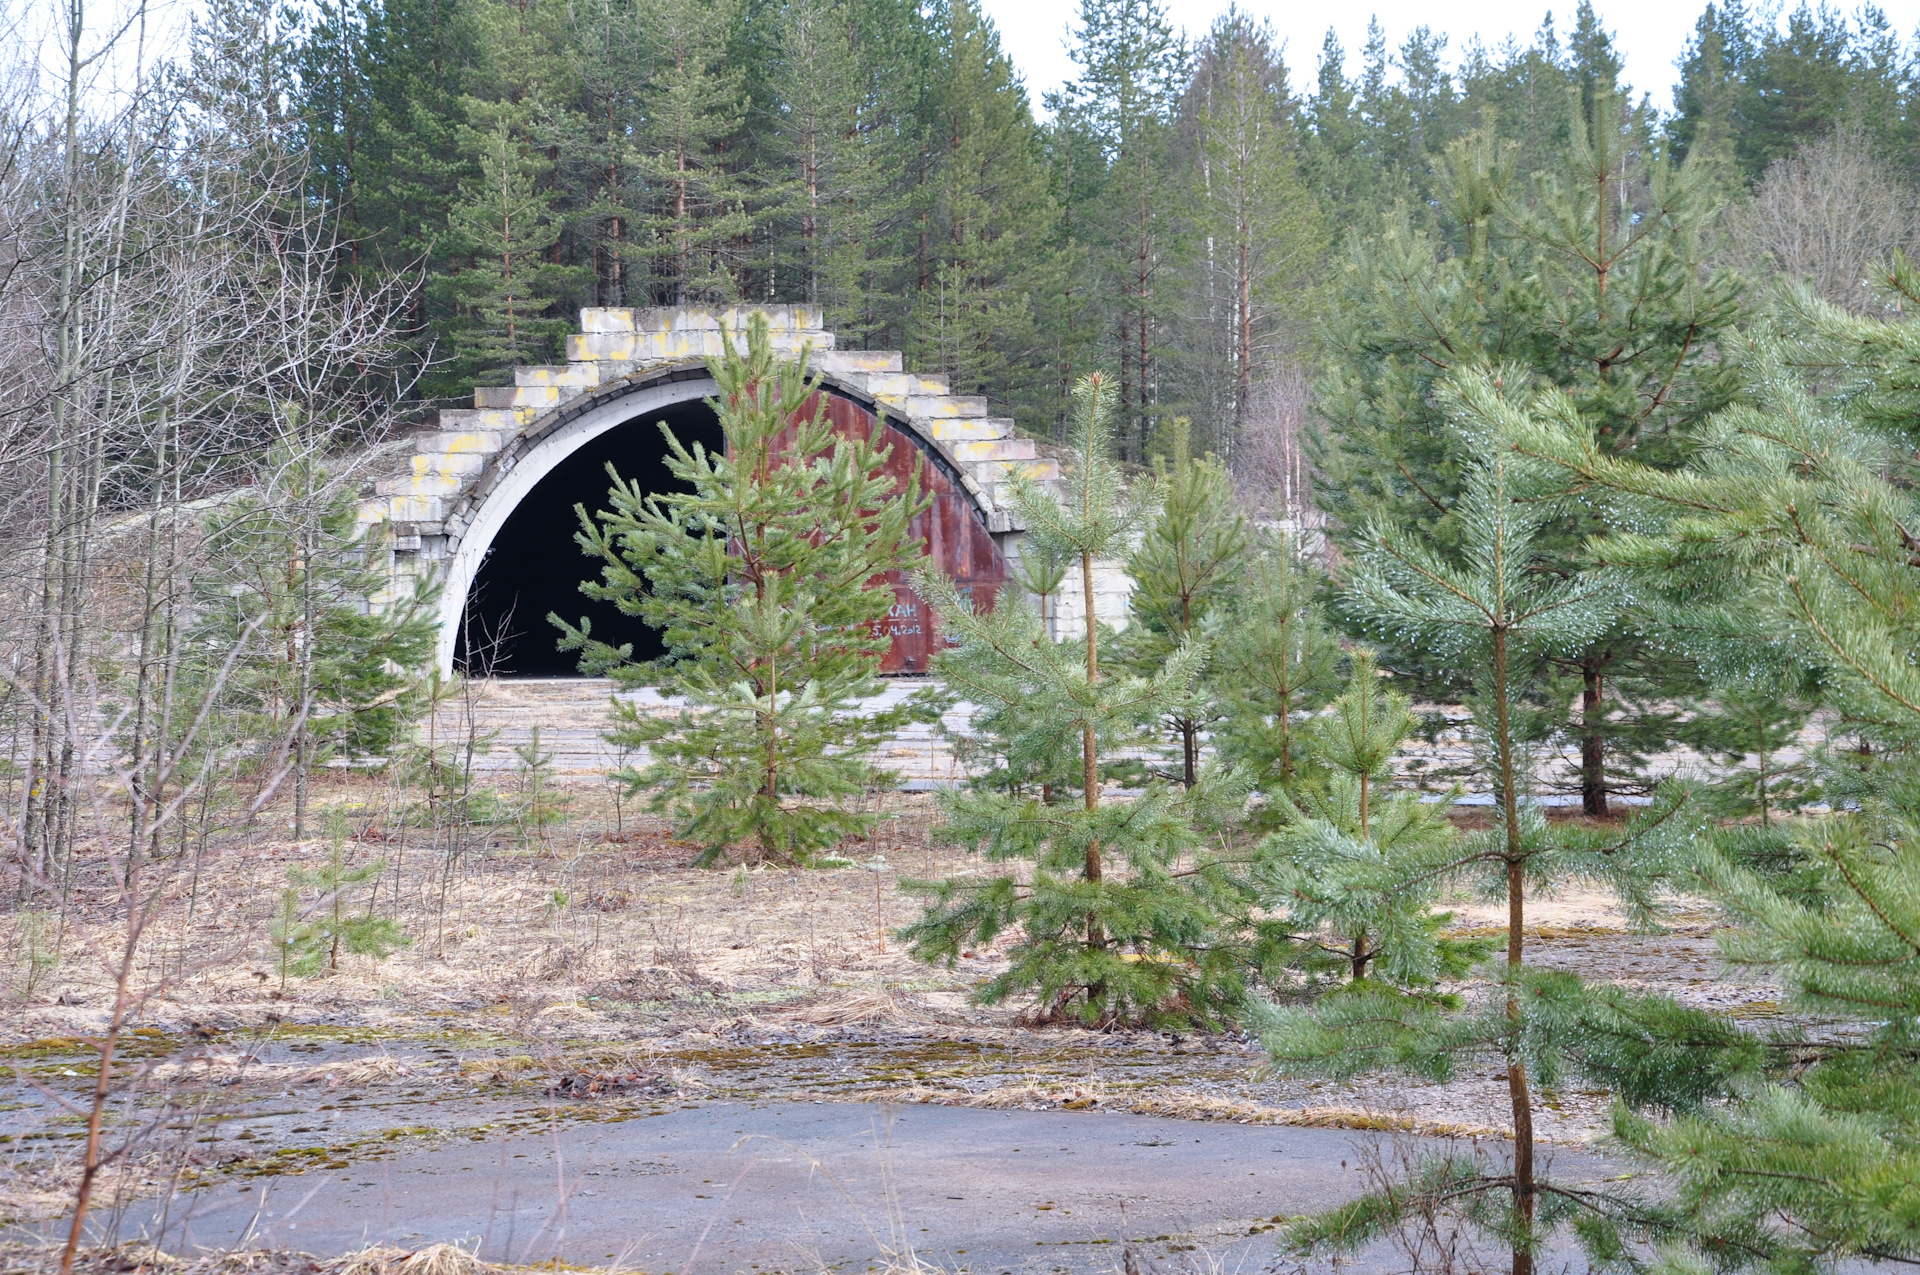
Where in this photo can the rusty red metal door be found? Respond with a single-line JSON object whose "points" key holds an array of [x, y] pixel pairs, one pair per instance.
{"points": [[956, 537]]}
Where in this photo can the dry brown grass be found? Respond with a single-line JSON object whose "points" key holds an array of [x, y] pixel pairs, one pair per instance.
{"points": [[1188, 1105], [434, 1259], [18, 1258], [567, 938]]}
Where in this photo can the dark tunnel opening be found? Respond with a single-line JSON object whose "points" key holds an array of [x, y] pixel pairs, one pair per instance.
{"points": [[535, 567]]}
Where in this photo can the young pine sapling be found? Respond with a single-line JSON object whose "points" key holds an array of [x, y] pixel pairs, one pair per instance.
{"points": [[766, 577], [1118, 918], [1185, 570], [1275, 661], [1354, 868], [319, 921], [1489, 607]]}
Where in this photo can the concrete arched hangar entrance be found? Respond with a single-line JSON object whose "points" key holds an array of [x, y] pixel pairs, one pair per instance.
{"points": [[508, 556]]}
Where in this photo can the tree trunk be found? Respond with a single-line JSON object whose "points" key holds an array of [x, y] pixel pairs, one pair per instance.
{"points": [[140, 800], [102, 1089], [1593, 758], [1523, 1188], [1285, 720], [810, 223], [1143, 323], [1090, 763], [1243, 330]]}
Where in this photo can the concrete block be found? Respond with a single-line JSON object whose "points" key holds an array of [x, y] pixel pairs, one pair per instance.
{"points": [[968, 428], [418, 485], [606, 319], [565, 376], [416, 508], [475, 442], [935, 406], [534, 396], [993, 449], [854, 362], [931, 385], [585, 346], [675, 319], [780, 318], [894, 387], [506, 419], [449, 464], [673, 346]]}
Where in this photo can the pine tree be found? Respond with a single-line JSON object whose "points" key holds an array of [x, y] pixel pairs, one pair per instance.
{"points": [[1702, 129], [307, 938], [1489, 607], [764, 578], [328, 662], [990, 220], [849, 82], [1185, 571], [1337, 872], [1759, 717], [1529, 96], [1132, 71], [1332, 157], [1277, 662], [1787, 542], [1107, 930], [1257, 237], [1553, 287], [694, 104], [590, 68], [819, 82], [505, 295], [382, 92]]}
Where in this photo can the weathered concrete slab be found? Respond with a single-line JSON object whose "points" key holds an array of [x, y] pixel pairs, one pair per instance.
{"points": [[786, 1186]]}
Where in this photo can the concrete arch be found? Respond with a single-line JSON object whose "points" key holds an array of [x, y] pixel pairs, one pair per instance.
{"points": [[476, 518]]}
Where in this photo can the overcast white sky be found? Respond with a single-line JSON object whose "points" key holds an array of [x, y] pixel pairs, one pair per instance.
{"points": [[1650, 33]]}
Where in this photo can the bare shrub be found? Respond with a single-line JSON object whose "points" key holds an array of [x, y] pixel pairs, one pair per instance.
{"points": [[1270, 470], [1829, 215]]}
